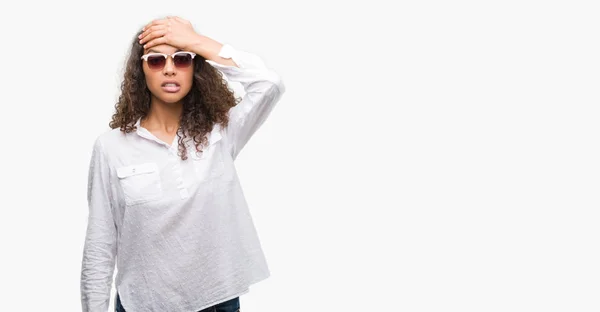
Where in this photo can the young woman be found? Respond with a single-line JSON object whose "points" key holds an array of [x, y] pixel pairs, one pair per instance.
{"points": [[165, 202]]}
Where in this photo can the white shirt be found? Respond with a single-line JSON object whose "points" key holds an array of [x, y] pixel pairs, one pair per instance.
{"points": [[180, 232]]}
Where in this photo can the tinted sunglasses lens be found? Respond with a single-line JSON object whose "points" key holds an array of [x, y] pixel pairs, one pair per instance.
{"points": [[183, 60], [156, 61]]}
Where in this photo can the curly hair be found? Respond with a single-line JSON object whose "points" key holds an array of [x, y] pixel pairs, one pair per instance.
{"points": [[206, 104]]}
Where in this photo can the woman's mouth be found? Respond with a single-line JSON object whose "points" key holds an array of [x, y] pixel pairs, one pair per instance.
{"points": [[170, 87]]}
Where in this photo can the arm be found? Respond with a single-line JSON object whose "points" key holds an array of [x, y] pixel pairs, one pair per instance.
{"points": [[209, 49], [263, 88], [100, 242]]}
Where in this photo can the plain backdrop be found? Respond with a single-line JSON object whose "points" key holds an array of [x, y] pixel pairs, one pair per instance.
{"points": [[426, 156]]}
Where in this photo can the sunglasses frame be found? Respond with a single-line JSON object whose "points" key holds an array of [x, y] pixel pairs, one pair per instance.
{"points": [[146, 56]]}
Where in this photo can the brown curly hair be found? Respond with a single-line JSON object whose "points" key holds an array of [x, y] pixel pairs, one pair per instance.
{"points": [[206, 104]]}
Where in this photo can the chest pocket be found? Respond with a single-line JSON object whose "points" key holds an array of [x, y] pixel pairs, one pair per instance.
{"points": [[209, 163], [140, 183]]}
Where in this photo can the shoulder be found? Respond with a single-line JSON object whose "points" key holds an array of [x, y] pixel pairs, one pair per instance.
{"points": [[110, 139]]}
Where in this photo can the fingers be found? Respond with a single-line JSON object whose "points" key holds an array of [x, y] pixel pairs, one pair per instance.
{"points": [[156, 22], [155, 42], [153, 32], [153, 35]]}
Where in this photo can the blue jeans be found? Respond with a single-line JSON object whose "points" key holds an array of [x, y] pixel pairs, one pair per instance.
{"points": [[232, 305]]}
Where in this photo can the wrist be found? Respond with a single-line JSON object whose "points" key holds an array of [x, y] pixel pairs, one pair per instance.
{"points": [[195, 45], [205, 47]]}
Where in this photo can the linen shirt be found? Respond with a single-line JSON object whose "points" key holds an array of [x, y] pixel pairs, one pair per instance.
{"points": [[179, 231]]}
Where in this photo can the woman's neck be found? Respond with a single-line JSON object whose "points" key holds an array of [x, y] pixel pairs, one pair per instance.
{"points": [[163, 117]]}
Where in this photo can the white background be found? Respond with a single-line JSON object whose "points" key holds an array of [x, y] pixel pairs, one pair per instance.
{"points": [[432, 156]]}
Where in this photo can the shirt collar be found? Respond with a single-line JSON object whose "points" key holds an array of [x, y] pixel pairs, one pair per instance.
{"points": [[213, 136], [143, 132]]}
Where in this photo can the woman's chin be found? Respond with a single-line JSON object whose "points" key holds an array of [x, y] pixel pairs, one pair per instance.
{"points": [[170, 98]]}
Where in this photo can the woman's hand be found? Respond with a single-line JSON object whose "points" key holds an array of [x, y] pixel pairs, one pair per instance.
{"points": [[171, 30]]}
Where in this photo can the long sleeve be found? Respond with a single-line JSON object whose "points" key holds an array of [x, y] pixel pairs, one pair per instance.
{"points": [[263, 88], [100, 242]]}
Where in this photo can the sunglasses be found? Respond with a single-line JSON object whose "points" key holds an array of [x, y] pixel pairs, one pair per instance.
{"points": [[181, 59]]}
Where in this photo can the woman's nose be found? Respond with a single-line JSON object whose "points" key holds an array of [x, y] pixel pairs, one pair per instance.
{"points": [[169, 66]]}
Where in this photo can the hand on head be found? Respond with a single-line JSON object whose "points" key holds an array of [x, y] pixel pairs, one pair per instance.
{"points": [[172, 30]]}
